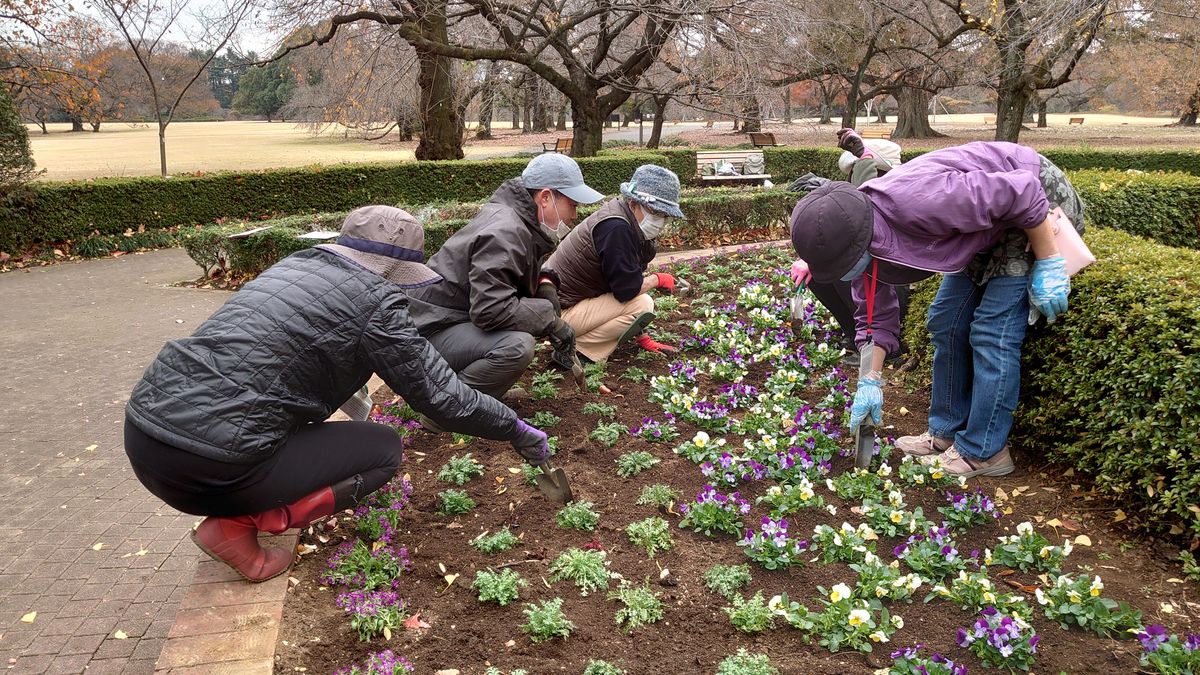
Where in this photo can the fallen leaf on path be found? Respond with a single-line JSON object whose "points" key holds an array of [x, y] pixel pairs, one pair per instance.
{"points": [[513, 470], [1054, 522], [1173, 580], [1001, 495], [97, 546], [305, 549], [447, 671], [293, 581], [903, 411], [1083, 540], [1166, 607], [29, 618], [1118, 516], [415, 622], [441, 568], [120, 635], [387, 633], [91, 448], [1020, 586]]}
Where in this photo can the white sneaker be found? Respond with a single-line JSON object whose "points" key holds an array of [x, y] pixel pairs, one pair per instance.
{"points": [[923, 445]]}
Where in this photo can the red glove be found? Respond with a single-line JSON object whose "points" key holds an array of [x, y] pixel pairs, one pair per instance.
{"points": [[646, 342], [665, 281]]}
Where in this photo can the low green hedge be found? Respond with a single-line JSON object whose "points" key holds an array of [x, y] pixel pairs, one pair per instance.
{"points": [[61, 212], [1164, 207], [726, 215], [1113, 388]]}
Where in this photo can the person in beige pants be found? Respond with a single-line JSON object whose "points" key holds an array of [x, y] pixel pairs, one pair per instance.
{"points": [[602, 284]]}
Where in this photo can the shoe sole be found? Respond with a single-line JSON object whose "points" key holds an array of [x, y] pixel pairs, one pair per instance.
{"points": [[990, 472], [200, 545], [639, 324], [920, 452]]}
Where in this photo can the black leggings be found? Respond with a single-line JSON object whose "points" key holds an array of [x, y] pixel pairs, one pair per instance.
{"points": [[836, 297], [316, 456]]}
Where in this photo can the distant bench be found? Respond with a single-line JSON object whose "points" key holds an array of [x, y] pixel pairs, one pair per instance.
{"points": [[735, 157], [561, 146], [1075, 120], [763, 139], [875, 133]]}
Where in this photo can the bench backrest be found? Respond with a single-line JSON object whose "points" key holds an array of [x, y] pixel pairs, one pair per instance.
{"points": [[762, 138], [735, 157], [563, 145], [875, 133], [1075, 120], [989, 120]]}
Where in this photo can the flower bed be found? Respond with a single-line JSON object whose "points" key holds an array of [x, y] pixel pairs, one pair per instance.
{"points": [[847, 571]]}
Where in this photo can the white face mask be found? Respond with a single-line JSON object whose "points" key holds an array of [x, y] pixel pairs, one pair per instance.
{"points": [[652, 224], [560, 228]]}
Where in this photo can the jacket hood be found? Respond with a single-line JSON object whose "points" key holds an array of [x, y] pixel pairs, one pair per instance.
{"points": [[513, 194]]}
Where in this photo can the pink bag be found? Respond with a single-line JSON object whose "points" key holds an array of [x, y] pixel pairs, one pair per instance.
{"points": [[1070, 244]]}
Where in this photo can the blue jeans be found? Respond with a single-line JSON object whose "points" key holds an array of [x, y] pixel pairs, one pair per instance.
{"points": [[977, 333]]}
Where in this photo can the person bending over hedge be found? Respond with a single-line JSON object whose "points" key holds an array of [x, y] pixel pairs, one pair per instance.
{"points": [[230, 423], [485, 317], [979, 214], [601, 265]]}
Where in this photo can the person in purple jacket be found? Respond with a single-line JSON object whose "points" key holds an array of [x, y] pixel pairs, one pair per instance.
{"points": [[978, 214]]}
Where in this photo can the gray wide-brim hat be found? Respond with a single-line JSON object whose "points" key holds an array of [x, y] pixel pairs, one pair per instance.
{"points": [[552, 171], [387, 241], [656, 188], [831, 229]]}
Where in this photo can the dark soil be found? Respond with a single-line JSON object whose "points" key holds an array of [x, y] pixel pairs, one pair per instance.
{"points": [[696, 634]]}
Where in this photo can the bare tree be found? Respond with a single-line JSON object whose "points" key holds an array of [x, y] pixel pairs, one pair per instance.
{"points": [[145, 24]]}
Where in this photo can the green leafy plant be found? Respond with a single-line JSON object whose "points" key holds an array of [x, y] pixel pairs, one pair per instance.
{"points": [[496, 543], [594, 374], [459, 470], [1028, 550], [1079, 602], [745, 663], [608, 434], [852, 622], [660, 495], [600, 409], [727, 580], [632, 463], [597, 667], [587, 569], [973, 591], [500, 587], [578, 516], [845, 544], [642, 605], [529, 473], [652, 534], [665, 304], [635, 374], [544, 419], [1191, 569], [750, 616], [372, 613], [545, 385], [547, 621], [455, 502]]}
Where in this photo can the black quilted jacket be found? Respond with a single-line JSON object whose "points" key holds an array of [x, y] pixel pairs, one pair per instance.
{"points": [[288, 349]]}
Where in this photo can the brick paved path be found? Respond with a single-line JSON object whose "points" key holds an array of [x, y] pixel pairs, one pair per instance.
{"points": [[74, 338]]}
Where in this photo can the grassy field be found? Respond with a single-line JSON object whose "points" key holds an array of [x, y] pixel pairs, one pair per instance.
{"points": [[125, 150]]}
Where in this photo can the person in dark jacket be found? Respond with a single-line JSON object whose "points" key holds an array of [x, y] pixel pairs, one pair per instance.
{"points": [[230, 423], [601, 265], [485, 318], [980, 214]]}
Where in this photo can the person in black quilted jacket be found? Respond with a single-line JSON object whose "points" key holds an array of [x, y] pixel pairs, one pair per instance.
{"points": [[231, 422]]}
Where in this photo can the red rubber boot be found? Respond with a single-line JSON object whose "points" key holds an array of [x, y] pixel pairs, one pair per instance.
{"points": [[234, 541]]}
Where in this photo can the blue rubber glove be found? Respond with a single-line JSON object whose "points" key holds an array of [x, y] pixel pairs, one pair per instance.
{"points": [[1049, 286], [868, 400]]}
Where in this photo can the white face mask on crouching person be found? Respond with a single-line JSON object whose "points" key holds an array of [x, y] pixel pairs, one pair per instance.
{"points": [[652, 224], [556, 229]]}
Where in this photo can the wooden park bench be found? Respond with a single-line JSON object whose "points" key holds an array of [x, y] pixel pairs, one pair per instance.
{"points": [[561, 146], [735, 157], [875, 133], [762, 139], [1075, 120], [989, 120]]}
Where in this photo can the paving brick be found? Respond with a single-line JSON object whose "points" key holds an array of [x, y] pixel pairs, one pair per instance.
{"points": [[245, 667], [190, 622], [226, 593], [31, 664], [218, 647], [80, 644], [72, 664]]}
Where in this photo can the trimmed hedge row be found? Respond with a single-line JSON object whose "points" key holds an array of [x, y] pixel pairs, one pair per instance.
{"points": [[1164, 207], [713, 215], [70, 211], [1113, 388]]}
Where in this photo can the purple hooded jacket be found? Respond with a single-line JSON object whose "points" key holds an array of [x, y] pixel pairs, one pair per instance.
{"points": [[935, 213]]}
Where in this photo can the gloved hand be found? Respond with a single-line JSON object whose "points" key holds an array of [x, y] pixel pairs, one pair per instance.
{"points": [[531, 444], [546, 290], [800, 273], [1049, 286], [562, 339], [666, 281], [562, 336], [868, 400], [849, 140]]}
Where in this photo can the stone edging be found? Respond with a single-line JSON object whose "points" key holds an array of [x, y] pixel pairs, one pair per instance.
{"points": [[226, 625]]}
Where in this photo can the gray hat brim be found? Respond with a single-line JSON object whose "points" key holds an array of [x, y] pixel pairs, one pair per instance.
{"points": [[400, 272], [580, 194]]}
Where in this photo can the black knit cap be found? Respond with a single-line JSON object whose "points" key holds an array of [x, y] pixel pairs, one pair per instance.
{"points": [[831, 229]]}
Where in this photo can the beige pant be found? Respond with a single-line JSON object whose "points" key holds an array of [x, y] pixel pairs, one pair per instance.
{"points": [[598, 322]]}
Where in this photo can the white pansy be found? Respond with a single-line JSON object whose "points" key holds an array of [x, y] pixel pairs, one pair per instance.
{"points": [[1025, 528], [839, 592]]}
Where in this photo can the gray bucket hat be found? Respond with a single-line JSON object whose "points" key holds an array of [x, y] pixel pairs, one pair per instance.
{"points": [[552, 171], [656, 188], [388, 241], [831, 229]]}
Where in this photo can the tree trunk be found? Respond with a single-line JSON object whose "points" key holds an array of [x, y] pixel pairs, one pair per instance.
{"points": [[487, 102], [560, 124], [850, 116], [406, 130], [1191, 110], [541, 118], [76, 124], [1041, 112], [526, 110], [912, 114], [516, 116], [441, 137], [95, 126], [162, 148], [660, 110], [41, 122], [827, 96], [880, 113], [753, 116], [787, 105], [588, 135]]}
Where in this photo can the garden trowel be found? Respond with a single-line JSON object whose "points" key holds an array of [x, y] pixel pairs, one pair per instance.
{"points": [[553, 484], [864, 445]]}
